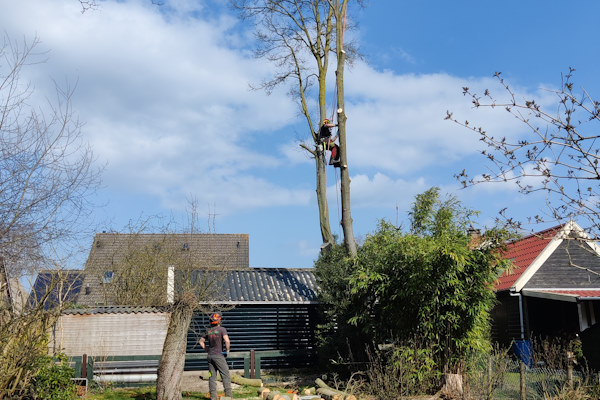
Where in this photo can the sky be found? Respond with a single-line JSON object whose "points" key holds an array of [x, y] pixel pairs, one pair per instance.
{"points": [[164, 92]]}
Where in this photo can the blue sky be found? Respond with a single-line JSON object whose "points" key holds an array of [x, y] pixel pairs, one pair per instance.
{"points": [[164, 94]]}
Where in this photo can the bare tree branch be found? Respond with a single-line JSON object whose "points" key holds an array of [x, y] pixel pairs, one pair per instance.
{"points": [[559, 156]]}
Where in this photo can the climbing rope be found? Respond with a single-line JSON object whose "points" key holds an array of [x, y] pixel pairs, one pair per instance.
{"points": [[333, 103]]}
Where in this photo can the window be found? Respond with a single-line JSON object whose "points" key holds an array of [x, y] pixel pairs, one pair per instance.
{"points": [[108, 276]]}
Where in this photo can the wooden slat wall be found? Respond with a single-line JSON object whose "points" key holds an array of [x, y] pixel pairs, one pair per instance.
{"points": [[263, 327], [109, 334]]}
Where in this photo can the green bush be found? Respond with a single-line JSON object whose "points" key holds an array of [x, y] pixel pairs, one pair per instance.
{"points": [[432, 282], [53, 381], [404, 370]]}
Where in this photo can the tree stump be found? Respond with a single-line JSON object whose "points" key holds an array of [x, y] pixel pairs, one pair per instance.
{"points": [[453, 387]]}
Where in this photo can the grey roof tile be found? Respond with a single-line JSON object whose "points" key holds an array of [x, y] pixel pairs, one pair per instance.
{"points": [[225, 259], [109, 249]]}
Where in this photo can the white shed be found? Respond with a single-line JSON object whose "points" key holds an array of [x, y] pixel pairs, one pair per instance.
{"points": [[110, 331]]}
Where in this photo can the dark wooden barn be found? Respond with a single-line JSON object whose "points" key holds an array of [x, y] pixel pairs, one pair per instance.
{"points": [[265, 309], [553, 291]]}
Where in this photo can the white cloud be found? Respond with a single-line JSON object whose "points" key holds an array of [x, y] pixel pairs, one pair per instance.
{"points": [[381, 190], [165, 96], [295, 154], [396, 122], [166, 101]]}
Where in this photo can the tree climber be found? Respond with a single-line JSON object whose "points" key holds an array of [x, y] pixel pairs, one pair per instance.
{"points": [[328, 142]]}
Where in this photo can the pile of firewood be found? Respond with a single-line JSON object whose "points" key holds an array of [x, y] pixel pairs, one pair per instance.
{"points": [[322, 392]]}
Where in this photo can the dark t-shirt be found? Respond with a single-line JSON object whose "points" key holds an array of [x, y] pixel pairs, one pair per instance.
{"points": [[324, 133], [214, 337]]}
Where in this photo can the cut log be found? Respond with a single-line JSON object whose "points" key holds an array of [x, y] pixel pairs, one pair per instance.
{"points": [[311, 390], [204, 375], [324, 390], [263, 392], [275, 395], [310, 397], [272, 395], [240, 380], [322, 384], [235, 378], [329, 394]]}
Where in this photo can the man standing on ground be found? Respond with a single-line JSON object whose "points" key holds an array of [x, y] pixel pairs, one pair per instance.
{"points": [[215, 336]]}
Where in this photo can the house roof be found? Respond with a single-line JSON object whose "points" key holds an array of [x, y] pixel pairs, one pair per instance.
{"points": [[263, 285], [229, 250], [63, 287], [523, 252], [207, 250], [114, 310], [572, 295], [559, 258]]}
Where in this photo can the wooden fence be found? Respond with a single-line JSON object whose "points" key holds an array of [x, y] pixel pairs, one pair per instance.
{"points": [[86, 367]]}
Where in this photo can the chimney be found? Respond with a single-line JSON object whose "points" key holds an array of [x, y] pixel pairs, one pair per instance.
{"points": [[475, 235]]}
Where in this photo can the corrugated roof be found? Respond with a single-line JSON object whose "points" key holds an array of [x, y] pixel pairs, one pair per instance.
{"points": [[522, 253], [264, 285]]}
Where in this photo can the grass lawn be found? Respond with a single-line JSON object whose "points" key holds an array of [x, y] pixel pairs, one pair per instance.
{"points": [[281, 380], [149, 393]]}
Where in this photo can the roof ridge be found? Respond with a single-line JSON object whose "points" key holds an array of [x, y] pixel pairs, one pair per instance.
{"points": [[537, 234]]}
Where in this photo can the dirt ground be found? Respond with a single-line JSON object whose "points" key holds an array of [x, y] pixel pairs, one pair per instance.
{"points": [[192, 383]]}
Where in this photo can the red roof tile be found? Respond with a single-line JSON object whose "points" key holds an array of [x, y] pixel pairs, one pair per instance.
{"points": [[583, 293], [522, 253]]}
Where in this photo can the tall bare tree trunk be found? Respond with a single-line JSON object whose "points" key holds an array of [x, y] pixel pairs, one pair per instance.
{"points": [[321, 167], [326, 234], [170, 371], [340, 11]]}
